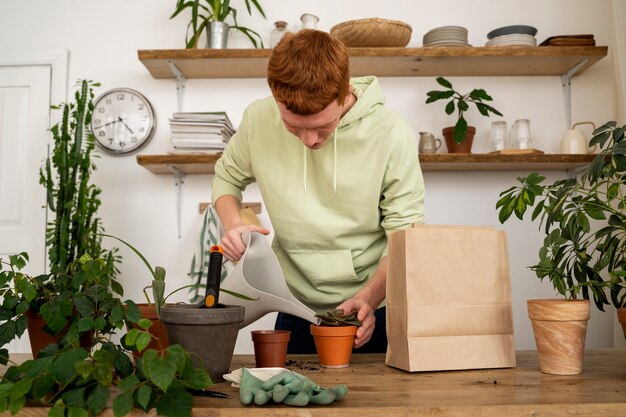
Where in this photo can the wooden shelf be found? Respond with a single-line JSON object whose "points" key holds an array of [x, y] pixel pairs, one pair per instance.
{"points": [[205, 164], [385, 62]]}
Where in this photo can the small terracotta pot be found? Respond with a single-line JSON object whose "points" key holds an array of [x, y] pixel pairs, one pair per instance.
{"points": [[560, 327], [39, 338], [270, 347], [148, 311], [463, 147], [621, 317], [334, 344]]}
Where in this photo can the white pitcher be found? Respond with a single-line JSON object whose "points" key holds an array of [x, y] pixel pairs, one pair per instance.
{"points": [[575, 142]]}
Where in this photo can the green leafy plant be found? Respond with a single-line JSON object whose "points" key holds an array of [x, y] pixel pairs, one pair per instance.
{"points": [[460, 103], [338, 318], [77, 380], [71, 196], [205, 11], [584, 221], [158, 281]]}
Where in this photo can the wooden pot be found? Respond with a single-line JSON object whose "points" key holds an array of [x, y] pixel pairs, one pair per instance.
{"points": [[463, 147], [270, 347], [560, 327], [334, 344], [621, 317]]}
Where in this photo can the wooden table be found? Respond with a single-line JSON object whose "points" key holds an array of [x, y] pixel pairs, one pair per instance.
{"points": [[379, 390]]}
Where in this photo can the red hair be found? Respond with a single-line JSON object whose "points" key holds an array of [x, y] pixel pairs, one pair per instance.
{"points": [[308, 70]]}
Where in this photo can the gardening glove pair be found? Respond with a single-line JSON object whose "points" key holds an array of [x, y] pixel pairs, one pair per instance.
{"points": [[288, 388]]}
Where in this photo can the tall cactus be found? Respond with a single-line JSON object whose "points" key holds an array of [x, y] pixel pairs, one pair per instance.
{"points": [[74, 230]]}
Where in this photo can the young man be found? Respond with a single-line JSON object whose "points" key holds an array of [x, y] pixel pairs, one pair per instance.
{"points": [[337, 171]]}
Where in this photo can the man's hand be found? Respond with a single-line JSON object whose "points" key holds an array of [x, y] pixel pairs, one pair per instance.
{"points": [[232, 241], [365, 313]]}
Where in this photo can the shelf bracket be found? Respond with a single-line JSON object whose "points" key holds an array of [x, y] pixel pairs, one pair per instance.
{"points": [[180, 180], [567, 87], [180, 83]]}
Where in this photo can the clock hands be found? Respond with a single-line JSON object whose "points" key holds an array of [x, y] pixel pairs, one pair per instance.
{"points": [[119, 119]]}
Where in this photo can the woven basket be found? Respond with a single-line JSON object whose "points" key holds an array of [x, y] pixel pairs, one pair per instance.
{"points": [[366, 33]]}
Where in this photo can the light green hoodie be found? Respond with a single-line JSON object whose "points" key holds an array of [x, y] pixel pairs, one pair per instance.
{"points": [[330, 207]]}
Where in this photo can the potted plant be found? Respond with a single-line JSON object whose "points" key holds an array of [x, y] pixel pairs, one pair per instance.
{"points": [[460, 137], [78, 380], [584, 251], [212, 15], [334, 337]]}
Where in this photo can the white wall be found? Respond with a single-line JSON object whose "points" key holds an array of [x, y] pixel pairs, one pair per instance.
{"points": [[103, 38]]}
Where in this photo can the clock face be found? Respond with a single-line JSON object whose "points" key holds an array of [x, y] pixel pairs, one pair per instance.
{"points": [[123, 120]]}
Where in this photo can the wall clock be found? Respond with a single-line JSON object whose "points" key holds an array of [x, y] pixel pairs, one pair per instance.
{"points": [[123, 121]]}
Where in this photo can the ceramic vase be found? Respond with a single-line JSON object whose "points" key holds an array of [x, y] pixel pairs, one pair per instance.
{"points": [[560, 327], [334, 344], [270, 347], [207, 333], [463, 147]]}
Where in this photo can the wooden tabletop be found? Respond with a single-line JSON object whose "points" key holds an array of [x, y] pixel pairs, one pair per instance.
{"points": [[378, 390]]}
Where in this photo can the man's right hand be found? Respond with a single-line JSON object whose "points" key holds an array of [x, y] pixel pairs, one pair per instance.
{"points": [[233, 243]]}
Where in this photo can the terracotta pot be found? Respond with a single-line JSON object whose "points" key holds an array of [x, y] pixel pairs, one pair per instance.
{"points": [[463, 147], [39, 338], [270, 347], [334, 344], [621, 317], [148, 311], [209, 334], [560, 327]]}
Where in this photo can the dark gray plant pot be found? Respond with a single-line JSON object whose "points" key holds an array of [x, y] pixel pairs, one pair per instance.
{"points": [[209, 333]]}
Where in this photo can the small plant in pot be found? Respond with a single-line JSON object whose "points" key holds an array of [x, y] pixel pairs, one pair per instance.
{"points": [[459, 138], [211, 15], [334, 337], [584, 220]]}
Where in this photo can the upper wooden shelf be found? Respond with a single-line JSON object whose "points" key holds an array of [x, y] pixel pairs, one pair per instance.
{"points": [[205, 164], [385, 62]]}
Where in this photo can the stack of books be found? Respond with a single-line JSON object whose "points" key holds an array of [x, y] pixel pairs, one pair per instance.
{"points": [[200, 132]]}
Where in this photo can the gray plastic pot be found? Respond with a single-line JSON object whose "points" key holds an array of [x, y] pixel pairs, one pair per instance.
{"points": [[209, 333]]}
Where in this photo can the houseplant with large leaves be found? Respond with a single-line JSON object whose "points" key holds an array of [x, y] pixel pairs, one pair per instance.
{"points": [[205, 12], [584, 222], [459, 138], [77, 380]]}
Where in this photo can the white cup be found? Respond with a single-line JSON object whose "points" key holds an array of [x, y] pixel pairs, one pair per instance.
{"points": [[498, 135], [521, 133]]}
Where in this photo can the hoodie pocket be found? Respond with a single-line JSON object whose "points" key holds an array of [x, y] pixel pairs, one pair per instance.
{"points": [[323, 267]]}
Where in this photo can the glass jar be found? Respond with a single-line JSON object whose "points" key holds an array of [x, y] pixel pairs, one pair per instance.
{"points": [[280, 28], [309, 21]]}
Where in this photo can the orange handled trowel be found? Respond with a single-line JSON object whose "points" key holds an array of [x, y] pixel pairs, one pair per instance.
{"points": [[212, 294]]}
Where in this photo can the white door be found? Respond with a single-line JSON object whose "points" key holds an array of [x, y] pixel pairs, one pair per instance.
{"points": [[24, 132]]}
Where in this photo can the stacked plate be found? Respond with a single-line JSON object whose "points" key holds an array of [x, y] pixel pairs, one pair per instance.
{"points": [[446, 36], [518, 35]]}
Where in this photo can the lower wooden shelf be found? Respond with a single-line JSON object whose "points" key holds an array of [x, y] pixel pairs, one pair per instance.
{"points": [[205, 164]]}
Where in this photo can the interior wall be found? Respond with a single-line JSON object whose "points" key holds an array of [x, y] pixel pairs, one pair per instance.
{"points": [[103, 39]]}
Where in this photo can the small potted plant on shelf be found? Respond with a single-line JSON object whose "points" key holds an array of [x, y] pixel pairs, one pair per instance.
{"points": [[584, 251], [211, 15], [459, 138], [334, 337]]}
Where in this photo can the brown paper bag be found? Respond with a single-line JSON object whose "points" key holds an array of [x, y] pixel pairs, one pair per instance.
{"points": [[449, 299]]}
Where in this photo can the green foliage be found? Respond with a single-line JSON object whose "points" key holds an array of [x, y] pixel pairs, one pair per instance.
{"points": [[75, 376], [576, 257], [205, 11], [338, 318], [70, 195], [460, 103]]}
